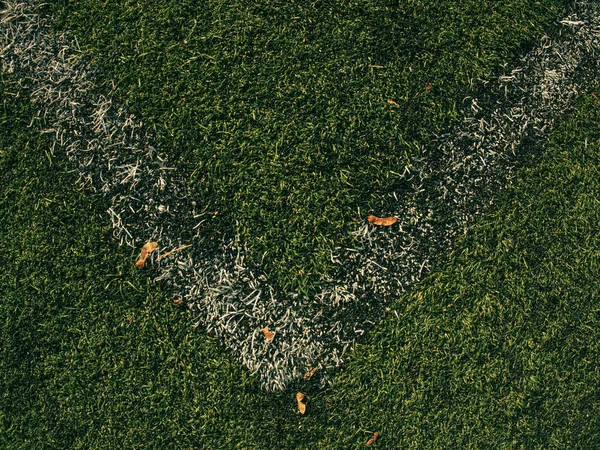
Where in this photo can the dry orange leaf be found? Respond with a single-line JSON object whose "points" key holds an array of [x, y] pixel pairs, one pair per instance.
{"points": [[383, 221], [146, 250], [177, 302], [268, 334], [301, 405], [392, 102], [150, 247], [595, 97], [308, 375], [373, 439]]}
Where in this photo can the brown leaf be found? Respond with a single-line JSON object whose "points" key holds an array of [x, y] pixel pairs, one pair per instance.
{"points": [[373, 439], [150, 247], [595, 97], [146, 250], [392, 102], [268, 334], [428, 87], [177, 302], [383, 221], [301, 405], [308, 375]]}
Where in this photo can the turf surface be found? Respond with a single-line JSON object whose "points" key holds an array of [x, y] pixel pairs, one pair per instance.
{"points": [[279, 111], [495, 348]]}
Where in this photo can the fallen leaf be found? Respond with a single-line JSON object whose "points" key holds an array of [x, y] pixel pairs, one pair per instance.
{"points": [[595, 96], [373, 439], [146, 250], [392, 102], [383, 221], [428, 86], [268, 334], [177, 302], [150, 247], [301, 405], [308, 375]]}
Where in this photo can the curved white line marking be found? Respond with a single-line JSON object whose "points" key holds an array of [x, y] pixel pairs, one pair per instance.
{"points": [[452, 182]]}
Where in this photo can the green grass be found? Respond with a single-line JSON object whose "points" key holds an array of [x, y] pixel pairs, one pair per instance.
{"points": [[278, 111], [497, 347]]}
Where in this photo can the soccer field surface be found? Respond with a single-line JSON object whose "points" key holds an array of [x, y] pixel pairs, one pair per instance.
{"points": [[251, 142]]}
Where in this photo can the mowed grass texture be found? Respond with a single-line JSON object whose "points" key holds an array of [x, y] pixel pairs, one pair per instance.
{"points": [[497, 347], [93, 354], [278, 112]]}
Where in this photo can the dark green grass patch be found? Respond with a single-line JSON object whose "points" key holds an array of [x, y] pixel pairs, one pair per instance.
{"points": [[497, 347], [278, 111], [93, 355]]}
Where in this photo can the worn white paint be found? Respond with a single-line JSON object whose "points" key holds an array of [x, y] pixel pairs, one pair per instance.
{"points": [[454, 181]]}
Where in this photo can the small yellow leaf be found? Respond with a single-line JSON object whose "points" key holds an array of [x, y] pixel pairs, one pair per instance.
{"points": [[150, 247], [301, 405], [308, 375]]}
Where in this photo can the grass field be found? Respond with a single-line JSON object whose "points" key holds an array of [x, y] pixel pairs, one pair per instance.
{"points": [[497, 347], [257, 101]]}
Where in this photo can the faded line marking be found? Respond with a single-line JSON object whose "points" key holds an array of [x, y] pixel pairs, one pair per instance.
{"points": [[454, 181]]}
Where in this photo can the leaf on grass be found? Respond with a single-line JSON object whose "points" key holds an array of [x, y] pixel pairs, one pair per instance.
{"points": [[308, 375], [373, 439], [428, 87], [392, 102], [177, 302], [268, 334], [146, 250], [301, 405], [383, 221]]}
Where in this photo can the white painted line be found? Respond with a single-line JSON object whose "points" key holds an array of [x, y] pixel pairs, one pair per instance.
{"points": [[454, 181]]}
